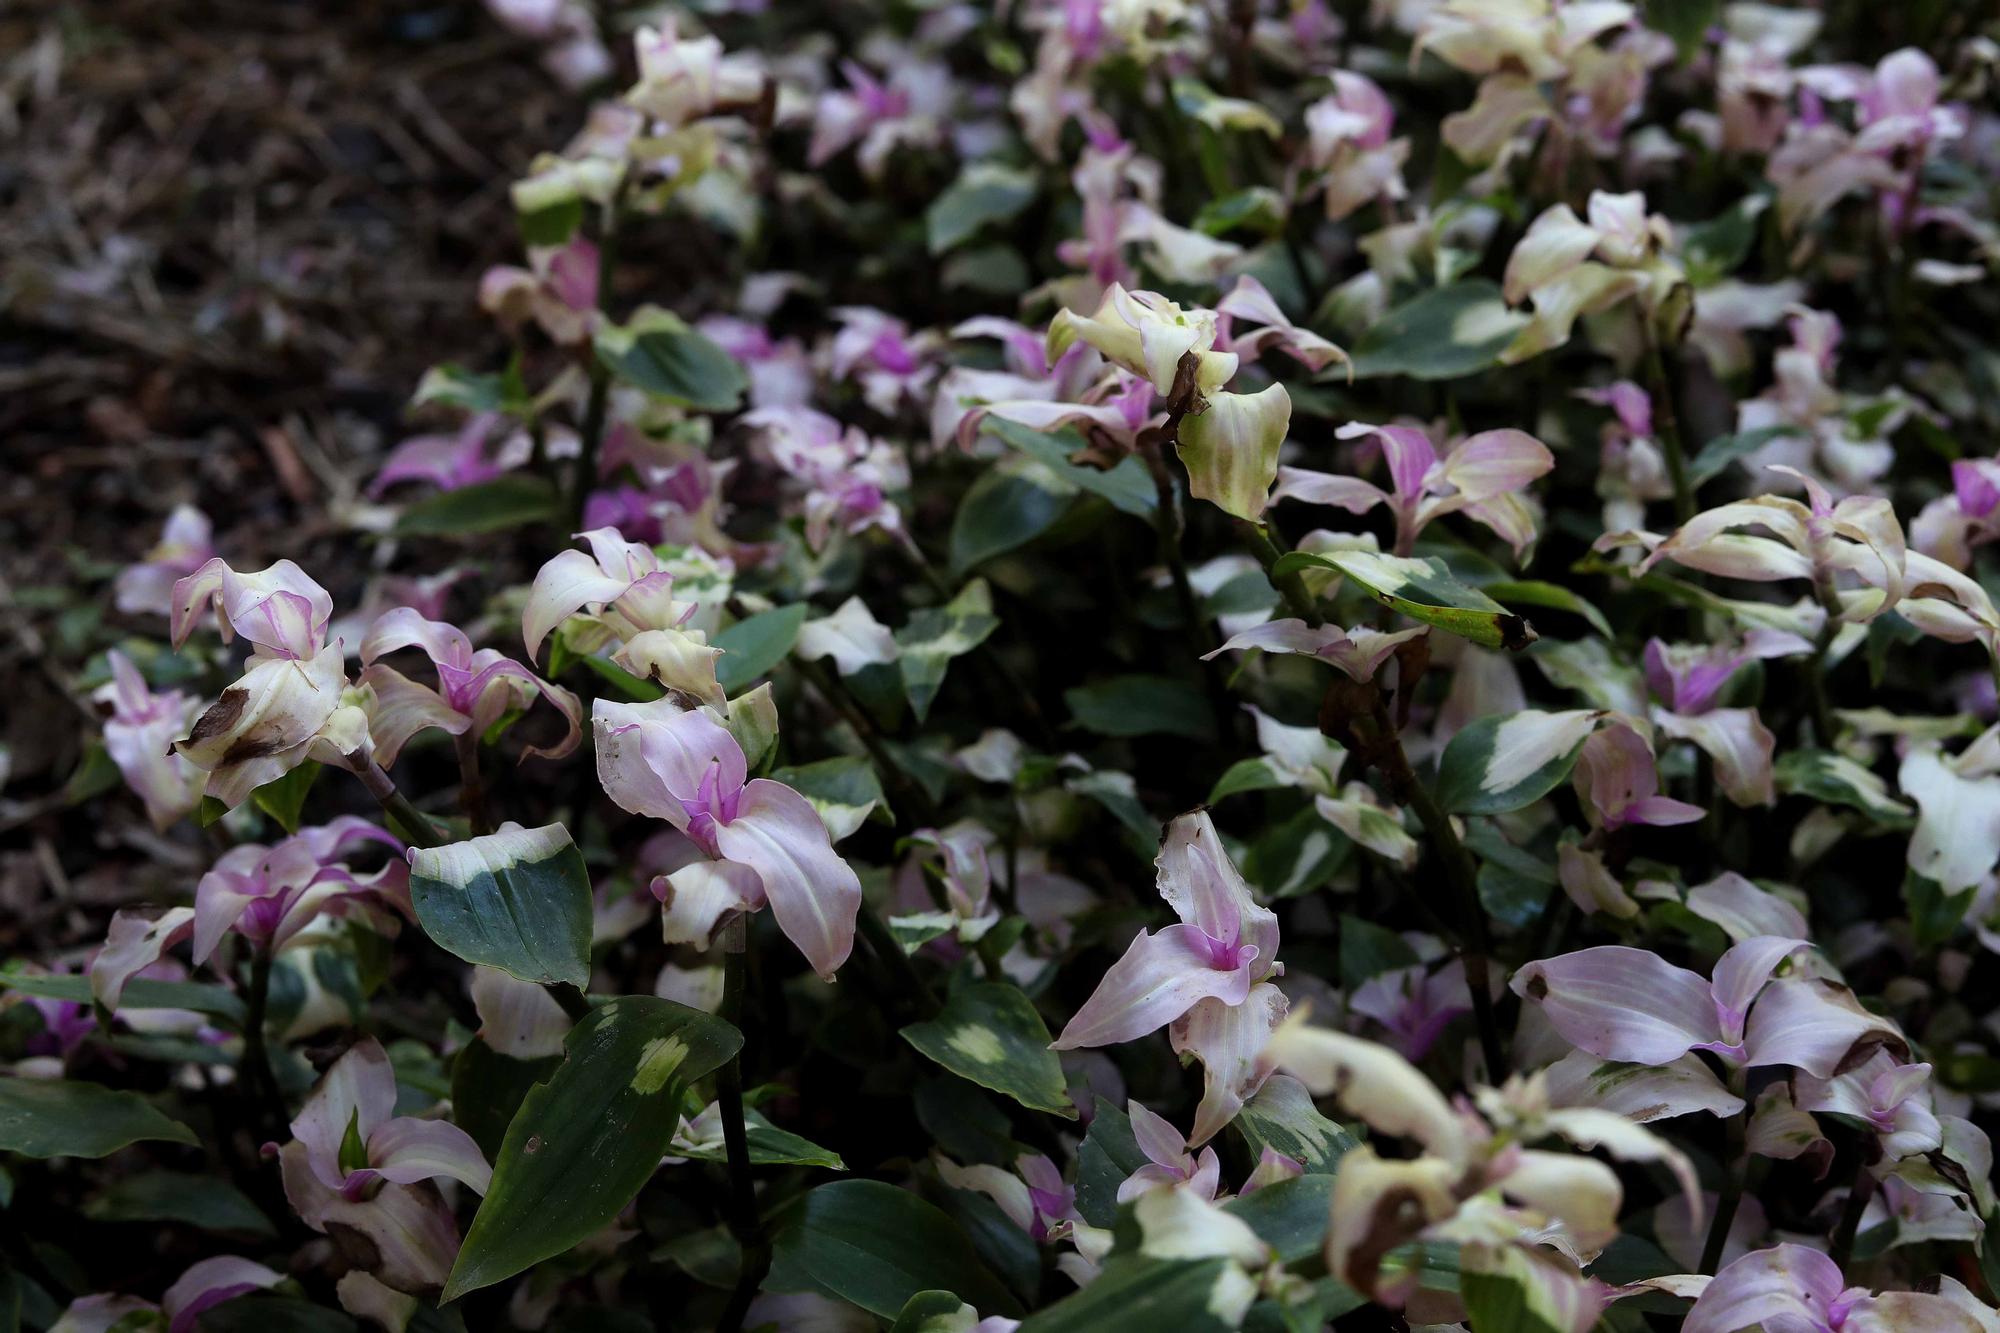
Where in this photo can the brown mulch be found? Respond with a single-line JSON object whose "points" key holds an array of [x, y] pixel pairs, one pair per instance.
{"points": [[235, 234]]}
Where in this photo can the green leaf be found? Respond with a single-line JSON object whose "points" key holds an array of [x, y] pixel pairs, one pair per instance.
{"points": [[261, 1312], [1934, 914], [1127, 486], [755, 644], [455, 386], [985, 193], [1713, 249], [769, 1146], [207, 1202], [1107, 1156], [935, 1312], [990, 1034], [284, 799], [1423, 590], [1686, 21], [1011, 504], [513, 501], [1504, 1301], [1135, 1294], [1368, 950], [552, 224], [140, 993], [874, 1245], [1504, 762], [844, 789], [1534, 592], [1138, 705], [1442, 334], [1282, 1117], [55, 1117], [1258, 209], [1289, 1216], [663, 356], [95, 774], [935, 635], [1247, 775], [1119, 793], [1834, 779], [487, 1088], [1716, 456], [518, 901], [583, 1143], [1296, 855]]}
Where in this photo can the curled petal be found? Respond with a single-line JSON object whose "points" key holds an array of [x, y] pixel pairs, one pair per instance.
{"points": [[406, 1150], [1622, 1004], [1816, 1025], [358, 1089], [652, 757], [133, 944], [698, 898], [1230, 1042], [398, 708], [208, 1284], [564, 586], [813, 892], [1161, 977], [1739, 743]]}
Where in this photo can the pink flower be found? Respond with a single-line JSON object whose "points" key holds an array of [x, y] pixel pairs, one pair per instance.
{"points": [[139, 735], [764, 842], [1169, 1164], [1481, 476], [1619, 785], [1208, 976], [1414, 1003], [269, 894], [464, 458], [1800, 1290], [475, 689], [185, 544]]}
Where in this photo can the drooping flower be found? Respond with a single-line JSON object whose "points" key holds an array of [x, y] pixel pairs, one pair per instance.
{"points": [[269, 894], [848, 479], [290, 704], [139, 734], [354, 1165], [762, 842], [1569, 267], [1800, 1290], [1482, 476], [1208, 976], [1348, 145], [621, 592], [474, 690]]}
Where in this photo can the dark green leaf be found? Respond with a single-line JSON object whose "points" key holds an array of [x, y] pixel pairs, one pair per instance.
{"points": [[1282, 1117], [986, 193], [487, 1088], [1004, 510], [1482, 770], [1134, 1294], [1246, 775], [171, 1196], [1289, 1216], [873, 1245], [1127, 486], [755, 644], [553, 224], [1424, 590], [936, 635], [513, 501], [990, 1034], [843, 789], [63, 1118], [284, 799], [1686, 21], [518, 901], [140, 993], [677, 363], [584, 1142], [1719, 453], [1368, 950], [1137, 705], [1259, 209], [1442, 334], [1534, 592], [1296, 855], [769, 1146], [1107, 1156]]}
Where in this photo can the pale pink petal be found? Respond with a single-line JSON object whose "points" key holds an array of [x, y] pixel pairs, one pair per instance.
{"points": [[1554, 243], [1159, 1140], [564, 586], [1496, 462], [407, 1150], [814, 894], [1160, 978], [359, 1088], [1204, 888], [1621, 1003], [1641, 1093], [208, 1284], [653, 756], [1739, 743], [1786, 1287], [133, 944], [406, 627], [1742, 909], [1741, 973], [1815, 1025], [1325, 488], [398, 708], [1230, 1042]]}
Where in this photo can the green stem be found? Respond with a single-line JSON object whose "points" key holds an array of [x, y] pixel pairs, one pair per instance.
{"points": [[1822, 710], [1292, 586], [744, 1222], [889, 951], [267, 1103], [1734, 1164], [416, 825], [471, 787], [1464, 879], [1859, 1192], [908, 790], [1167, 523], [1667, 426]]}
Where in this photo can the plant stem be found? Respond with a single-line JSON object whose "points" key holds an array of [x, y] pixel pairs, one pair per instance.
{"points": [[907, 787], [893, 959], [1463, 877], [267, 1103], [471, 787], [416, 825], [1167, 523], [1822, 711], [1667, 425], [1735, 1164], [1291, 585], [744, 1223], [1859, 1192]]}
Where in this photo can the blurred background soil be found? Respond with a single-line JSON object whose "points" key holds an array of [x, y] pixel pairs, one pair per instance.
{"points": [[233, 233]]}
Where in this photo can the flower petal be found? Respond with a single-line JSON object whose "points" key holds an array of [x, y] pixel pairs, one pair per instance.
{"points": [[1161, 977], [407, 1149], [1621, 1003], [813, 892]]}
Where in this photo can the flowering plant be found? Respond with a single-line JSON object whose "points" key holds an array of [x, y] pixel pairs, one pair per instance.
{"points": [[1093, 665]]}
